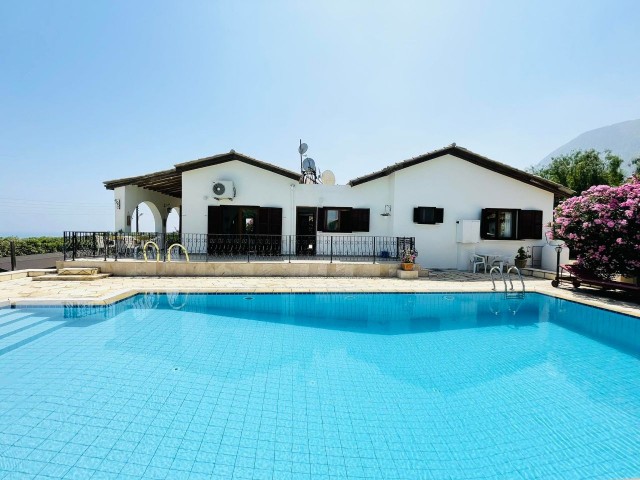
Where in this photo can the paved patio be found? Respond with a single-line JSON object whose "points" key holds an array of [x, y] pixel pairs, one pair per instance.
{"points": [[25, 291]]}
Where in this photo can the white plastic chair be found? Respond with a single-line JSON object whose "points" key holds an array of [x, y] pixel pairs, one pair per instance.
{"points": [[100, 244], [477, 260]]}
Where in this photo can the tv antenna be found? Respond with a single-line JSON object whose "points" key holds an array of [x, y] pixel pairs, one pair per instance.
{"points": [[308, 170]]}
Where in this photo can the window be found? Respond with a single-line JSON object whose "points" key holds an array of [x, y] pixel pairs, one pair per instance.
{"points": [[510, 224], [428, 215], [343, 219]]}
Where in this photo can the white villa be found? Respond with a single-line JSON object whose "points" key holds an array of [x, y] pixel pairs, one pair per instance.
{"points": [[453, 201]]}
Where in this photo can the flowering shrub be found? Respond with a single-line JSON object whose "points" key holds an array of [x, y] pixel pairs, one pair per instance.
{"points": [[603, 227], [409, 255]]}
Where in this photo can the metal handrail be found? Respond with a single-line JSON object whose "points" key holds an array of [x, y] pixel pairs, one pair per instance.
{"points": [[496, 268], [519, 276]]}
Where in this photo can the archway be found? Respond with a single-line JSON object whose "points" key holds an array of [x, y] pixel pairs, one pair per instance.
{"points": [[146, 217], [173, 221]]}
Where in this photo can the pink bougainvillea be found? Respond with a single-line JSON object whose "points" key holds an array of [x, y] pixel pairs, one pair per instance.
{"points": [[603, 227]]}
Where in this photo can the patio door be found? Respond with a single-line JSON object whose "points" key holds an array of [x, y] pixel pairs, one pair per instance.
{"points": [[237, 229], [306, 230]]}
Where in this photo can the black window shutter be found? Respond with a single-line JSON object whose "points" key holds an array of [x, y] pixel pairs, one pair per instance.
{"points": [[537, 224], [345, 221], [428, 215], [360, 219], [530, 224], [214, 220], [483, 222], [321, 220], [524, 224], [275, 221], [439, 216], [269, 221]]}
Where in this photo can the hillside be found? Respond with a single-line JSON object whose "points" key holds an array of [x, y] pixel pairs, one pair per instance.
{"points": [[623, 139]]}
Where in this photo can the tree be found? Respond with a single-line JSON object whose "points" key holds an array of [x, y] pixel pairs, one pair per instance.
{"points": [[580, 170], [603, 226]]}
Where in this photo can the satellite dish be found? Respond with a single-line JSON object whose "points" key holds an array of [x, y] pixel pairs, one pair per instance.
{"points": [[302, 148], [328, 178], [309, 165]]}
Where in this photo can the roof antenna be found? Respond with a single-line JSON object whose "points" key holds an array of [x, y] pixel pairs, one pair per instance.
{"points": [[307, 165]]}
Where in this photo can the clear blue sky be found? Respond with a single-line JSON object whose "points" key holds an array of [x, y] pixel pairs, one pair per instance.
{"points": [[96, 90]]}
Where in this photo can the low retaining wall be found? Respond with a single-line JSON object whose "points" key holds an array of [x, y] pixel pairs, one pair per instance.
{"points": [[6, 276], [129, 268]]}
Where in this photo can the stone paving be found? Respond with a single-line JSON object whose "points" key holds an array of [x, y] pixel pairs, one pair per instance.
{"points": [[26, 291]]}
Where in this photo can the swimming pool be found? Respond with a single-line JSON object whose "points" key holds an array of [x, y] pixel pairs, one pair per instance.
{"points": [[320, 386]]}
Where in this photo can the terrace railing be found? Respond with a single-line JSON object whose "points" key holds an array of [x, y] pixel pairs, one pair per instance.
{"points": [[240, 248]]}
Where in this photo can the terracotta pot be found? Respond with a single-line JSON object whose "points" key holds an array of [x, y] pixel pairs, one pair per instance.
{"points": [[407, 266], [521, 263]]}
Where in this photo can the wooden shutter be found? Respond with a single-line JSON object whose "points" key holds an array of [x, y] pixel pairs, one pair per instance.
{"points": [[321, 220], [439, 215], [270, 221], [428, 215], [530, 224], [214, 220], [346, 223], [484, 227], [360, 219]]}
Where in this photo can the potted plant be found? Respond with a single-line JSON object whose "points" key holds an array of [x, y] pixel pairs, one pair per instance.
{"points": [[408, 258], [521, 258]]}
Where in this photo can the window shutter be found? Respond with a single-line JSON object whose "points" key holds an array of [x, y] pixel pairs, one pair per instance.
{"points": [[483, 222], [537, 224], [530, 224], [346, 221], [439, 215], [360, 219], [270, 221], [428, 215], [321, 220], [214, 220]]}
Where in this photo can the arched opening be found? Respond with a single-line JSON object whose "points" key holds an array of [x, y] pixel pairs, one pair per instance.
{"points": [[146, 218], [173, 220]]}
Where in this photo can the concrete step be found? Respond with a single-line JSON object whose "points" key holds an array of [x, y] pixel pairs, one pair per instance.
{"points": [[78, 271], [67, 277]]}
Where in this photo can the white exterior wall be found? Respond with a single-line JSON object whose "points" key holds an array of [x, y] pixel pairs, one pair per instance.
{"points": [[463, 190], [254, 186], [460, 187]]}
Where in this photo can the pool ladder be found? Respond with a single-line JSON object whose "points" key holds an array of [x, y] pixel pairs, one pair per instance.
{"points": [[507, 293]]}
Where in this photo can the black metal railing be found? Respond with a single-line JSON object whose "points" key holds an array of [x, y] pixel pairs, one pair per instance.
{"points": [[244, 248]]}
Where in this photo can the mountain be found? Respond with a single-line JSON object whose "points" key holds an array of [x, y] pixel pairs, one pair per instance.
{"points": [[623, 139]]}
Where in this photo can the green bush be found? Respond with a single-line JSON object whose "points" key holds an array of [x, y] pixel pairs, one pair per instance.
{"points": [[30, 246]]}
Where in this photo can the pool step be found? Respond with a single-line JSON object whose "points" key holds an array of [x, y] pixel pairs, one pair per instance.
{"points": [[9, 316], [29, 333], [20, 325]]}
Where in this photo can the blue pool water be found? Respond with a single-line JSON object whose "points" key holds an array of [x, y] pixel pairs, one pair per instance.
{"points": [[397, 386]]}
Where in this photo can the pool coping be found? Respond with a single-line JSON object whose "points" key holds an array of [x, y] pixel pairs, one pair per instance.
{"points": [[119, 295]]}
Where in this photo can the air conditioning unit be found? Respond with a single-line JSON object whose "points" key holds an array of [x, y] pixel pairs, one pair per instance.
{"points": [[223, 189]]}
